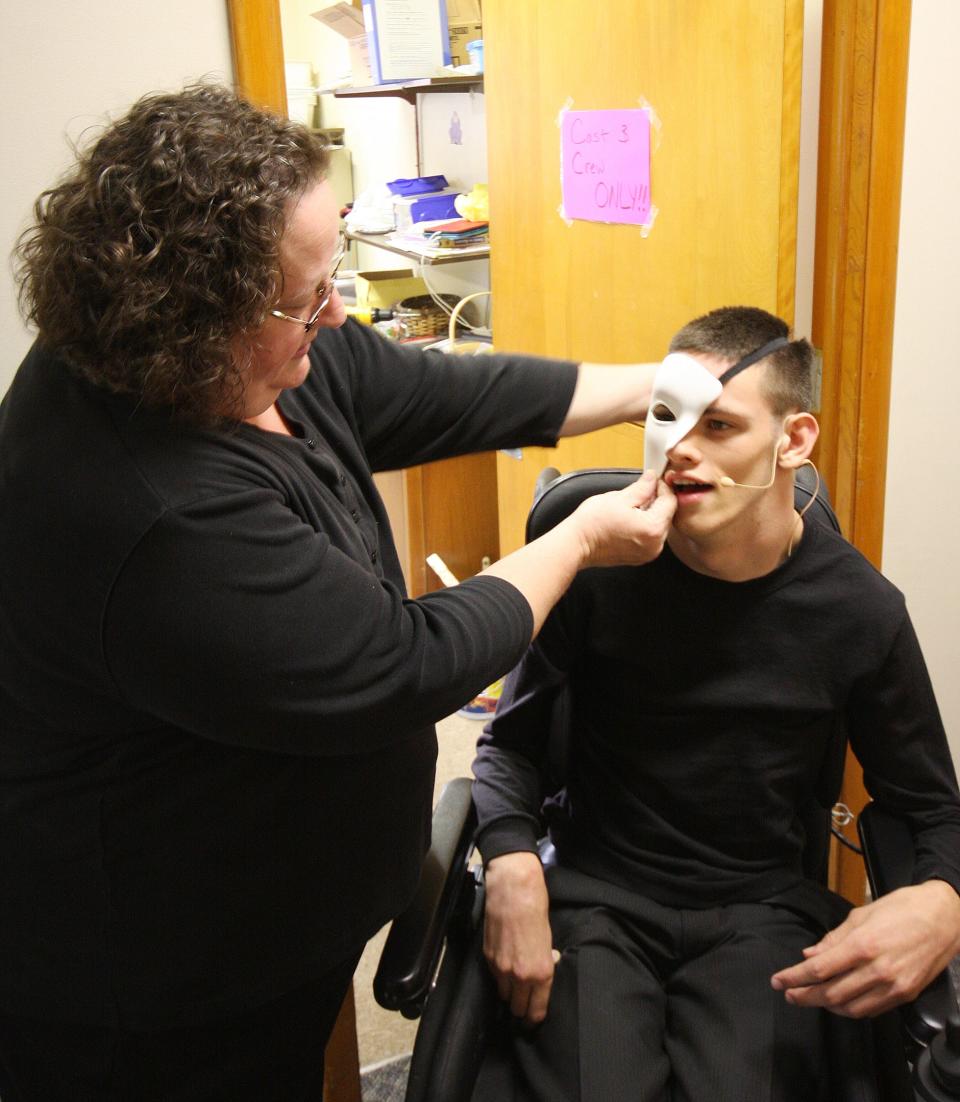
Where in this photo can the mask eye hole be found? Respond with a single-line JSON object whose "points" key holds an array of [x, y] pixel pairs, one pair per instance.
{"points": [[662, 413]]}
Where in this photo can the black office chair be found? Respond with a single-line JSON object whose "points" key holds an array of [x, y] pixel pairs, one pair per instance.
{"points": [[432, 966]]}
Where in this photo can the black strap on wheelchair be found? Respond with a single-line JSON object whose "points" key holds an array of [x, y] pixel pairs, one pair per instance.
{"points": [[752, 357], [845, 841]]}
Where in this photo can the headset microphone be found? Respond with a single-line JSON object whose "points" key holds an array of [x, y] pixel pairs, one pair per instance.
{"points": [[727, 482]]}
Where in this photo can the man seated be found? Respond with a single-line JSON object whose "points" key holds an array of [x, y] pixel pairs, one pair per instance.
{"points": [[675, 950]]}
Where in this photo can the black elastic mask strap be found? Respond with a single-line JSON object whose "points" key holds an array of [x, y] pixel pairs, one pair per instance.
{"points": [[752, 357]]}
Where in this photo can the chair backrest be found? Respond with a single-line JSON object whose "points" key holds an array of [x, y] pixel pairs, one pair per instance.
{"points": [[557, 496]]}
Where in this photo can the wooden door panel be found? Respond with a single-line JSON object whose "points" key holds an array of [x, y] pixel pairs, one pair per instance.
{"points": [[619, 446], [724, 82], [451, 512]]}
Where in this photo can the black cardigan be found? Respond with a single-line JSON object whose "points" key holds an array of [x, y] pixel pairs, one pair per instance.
{"points": [[216, 702]]}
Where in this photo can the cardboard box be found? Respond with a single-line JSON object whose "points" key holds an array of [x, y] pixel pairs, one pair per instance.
{"points": [[345, 20], [463, 11], [384, 289], [460, 35], [407, 39]]}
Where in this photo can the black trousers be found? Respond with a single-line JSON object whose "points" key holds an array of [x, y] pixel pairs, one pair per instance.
{"points": [[655, 1004], [271, 1054]]}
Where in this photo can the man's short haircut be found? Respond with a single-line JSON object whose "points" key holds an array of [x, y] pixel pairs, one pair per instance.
{"points": [[734, 331], [161, 246]]}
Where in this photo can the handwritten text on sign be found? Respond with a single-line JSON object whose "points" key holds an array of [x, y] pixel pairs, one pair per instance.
{"points": [[605, 166]]}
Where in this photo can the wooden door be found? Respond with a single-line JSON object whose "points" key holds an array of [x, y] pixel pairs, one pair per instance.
{"points": [[723, 80], [863, 93]]}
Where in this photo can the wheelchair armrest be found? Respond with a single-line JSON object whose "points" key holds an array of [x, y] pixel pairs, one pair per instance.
{"points": [[412, 950], [888, 853]]}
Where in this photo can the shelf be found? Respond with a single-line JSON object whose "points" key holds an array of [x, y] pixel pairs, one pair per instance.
{"points": [[410, 89], [381, 241]]}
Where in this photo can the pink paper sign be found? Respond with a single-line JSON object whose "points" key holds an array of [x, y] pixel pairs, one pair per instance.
{"points": [[605, 166]]}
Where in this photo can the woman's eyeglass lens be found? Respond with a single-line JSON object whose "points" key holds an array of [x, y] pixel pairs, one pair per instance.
{"points": [[325, 290]]}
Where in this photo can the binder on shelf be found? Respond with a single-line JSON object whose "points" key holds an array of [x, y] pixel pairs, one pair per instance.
{"points": [[406, 39]]}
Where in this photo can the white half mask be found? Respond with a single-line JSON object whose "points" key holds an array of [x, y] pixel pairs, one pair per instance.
{"points": [[683, 390]]}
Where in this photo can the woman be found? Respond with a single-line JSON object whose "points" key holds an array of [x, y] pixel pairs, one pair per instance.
{"points": [[216, 702]]}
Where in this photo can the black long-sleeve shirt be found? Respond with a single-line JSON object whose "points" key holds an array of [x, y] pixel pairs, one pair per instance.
{"points": [[216, 701], [707, 714]]}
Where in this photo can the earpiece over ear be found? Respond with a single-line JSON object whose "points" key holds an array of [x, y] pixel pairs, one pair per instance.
{"points": [[784, 444], [799, 434]]}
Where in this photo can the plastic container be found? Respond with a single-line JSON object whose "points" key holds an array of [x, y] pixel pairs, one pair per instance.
{"points": [[417, 185], [301, 93], [475, 53], [483, 705]]}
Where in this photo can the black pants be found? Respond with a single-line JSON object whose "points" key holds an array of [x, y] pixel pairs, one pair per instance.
{"points": [[655, 1004], [271, 1054]]}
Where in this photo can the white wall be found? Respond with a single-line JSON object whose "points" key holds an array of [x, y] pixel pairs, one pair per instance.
{"points": [[921, 535], [65, 64], [807, 183]]}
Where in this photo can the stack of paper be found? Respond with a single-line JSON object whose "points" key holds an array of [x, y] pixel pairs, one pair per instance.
{"points": [[443, 238]]}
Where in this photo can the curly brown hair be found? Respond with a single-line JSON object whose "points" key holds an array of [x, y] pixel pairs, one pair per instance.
{"points": [[161, 247]]}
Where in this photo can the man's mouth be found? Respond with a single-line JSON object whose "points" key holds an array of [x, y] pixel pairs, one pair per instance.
{"points": [[687, 486]]}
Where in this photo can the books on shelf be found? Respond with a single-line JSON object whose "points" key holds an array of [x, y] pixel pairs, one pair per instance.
{"points": [[454, 235], [443, 238]]}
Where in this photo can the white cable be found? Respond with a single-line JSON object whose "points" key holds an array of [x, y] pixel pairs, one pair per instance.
{"points": [[431, 291], [455, 313], [438, 299]]}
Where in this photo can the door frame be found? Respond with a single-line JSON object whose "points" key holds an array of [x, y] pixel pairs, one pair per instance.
{"points": [[256, 41], [863, 92]]}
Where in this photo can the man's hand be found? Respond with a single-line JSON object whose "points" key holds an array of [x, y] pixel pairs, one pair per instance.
{"points": [[883, 955], [516, 934]]}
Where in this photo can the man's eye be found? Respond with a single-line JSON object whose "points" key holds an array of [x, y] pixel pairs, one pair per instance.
{"points": [[718, 426], [662, 413]]}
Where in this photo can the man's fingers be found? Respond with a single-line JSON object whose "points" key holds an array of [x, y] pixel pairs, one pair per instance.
{"points": [[816, 970], [539, 999], [852, 996], [823, 962], [520, 1000], [527, 999], [797, 975], [836, 992]]}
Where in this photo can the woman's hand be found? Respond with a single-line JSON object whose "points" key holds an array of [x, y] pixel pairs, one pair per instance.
{"points": [[626, 527]]}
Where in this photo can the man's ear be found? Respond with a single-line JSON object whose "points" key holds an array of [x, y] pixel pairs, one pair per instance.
{"points": [[800, 432]]}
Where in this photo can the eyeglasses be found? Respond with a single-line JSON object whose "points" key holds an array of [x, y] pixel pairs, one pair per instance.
{"points": [[324, 289]]}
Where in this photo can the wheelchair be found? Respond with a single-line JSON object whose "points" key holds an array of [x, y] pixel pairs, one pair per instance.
{"points": [[432, 966]]}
